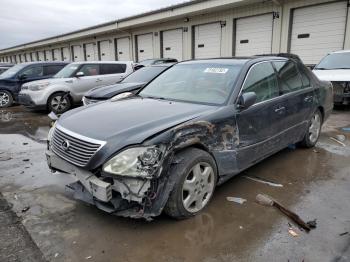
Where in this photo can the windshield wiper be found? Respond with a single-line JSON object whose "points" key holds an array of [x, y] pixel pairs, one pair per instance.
{"points": [[321, 68], [339, 68]]}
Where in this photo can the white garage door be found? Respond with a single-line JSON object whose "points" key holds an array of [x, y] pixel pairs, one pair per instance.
{"points": [[90, 52], [172, 44], [318, 30], [145, 47], [207, 40], [254, 35], [57, 55], [123, 49], [105, 51], [77, 53], [41, 56], [33, 56], [48, 55], [28, 57], [65, 53]]}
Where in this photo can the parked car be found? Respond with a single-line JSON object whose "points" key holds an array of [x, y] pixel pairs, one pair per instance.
{"points": [[132, 83], [4, 67], [69, 85], [12, 79], [193, 127], [155, 61], [335, 67]]}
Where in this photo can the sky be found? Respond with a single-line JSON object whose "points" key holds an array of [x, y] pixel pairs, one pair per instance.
{"points": [[23, 21]]}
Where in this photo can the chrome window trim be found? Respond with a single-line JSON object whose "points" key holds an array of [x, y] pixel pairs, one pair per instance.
{"points": [[277, 97]]}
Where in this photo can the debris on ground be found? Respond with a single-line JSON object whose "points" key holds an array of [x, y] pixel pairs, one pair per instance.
{"points": [[336, 140], [89, 257], [341, 138], [292, 232], [266, 200], [5, 158], [240, 227], [15, 197], [25, 209], [264, 181], [26, 160], [56, 255], [237, 200], [312, 223], [343, 234], [316, 151], [24, 144]]}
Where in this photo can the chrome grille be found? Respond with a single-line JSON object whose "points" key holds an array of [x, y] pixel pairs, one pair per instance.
{"points": [[79, 150]]}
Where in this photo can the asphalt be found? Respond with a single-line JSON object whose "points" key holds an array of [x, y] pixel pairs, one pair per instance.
{"points": [[315, 183]]}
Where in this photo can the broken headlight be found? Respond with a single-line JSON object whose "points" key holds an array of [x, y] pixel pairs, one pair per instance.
{"points": [[136, 162]]}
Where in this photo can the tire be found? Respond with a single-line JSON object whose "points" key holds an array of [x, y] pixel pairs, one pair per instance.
{"points": [[197, 177], [313, 132], [58, 103], [6, 99]]}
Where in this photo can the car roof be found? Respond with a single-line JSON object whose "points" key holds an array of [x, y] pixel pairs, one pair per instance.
{"points": [[102, 62], [234, 60], [340, 52], [161, 65], [44, 63]]}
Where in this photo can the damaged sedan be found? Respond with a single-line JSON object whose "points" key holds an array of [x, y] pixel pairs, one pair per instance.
{"points": [[190, 129]]}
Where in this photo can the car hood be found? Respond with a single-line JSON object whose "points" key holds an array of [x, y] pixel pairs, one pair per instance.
{"points": [[129, 121], [112, 90], [52, 81], [333, 75]]}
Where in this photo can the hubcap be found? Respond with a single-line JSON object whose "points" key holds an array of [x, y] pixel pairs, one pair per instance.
{"points": [[59, 103], [198, 187], [314, 129], [4, 99]]}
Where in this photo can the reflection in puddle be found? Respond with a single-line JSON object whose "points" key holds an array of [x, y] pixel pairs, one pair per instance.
{"points": [[18, 120]]}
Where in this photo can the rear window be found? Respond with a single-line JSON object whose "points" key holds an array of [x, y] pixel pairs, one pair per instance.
{"points": [[289, 76], [106, 69], [52, 69]]}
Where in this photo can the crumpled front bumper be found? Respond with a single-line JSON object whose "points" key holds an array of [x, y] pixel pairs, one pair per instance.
{"points": [[107, 194]]}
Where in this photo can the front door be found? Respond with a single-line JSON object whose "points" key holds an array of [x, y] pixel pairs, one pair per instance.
{"points": [[259, 125]]}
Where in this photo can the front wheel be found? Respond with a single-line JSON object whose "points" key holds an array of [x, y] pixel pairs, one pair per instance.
{"points": [[314, 130], [59, 103], [197, 178], [6, 99]]}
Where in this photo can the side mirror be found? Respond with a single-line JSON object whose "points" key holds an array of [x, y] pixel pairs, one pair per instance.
{"points": [[80, 74], [246, 100], [22, 77]]}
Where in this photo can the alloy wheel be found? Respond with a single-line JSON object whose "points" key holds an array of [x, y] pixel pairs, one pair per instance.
{"points": [[315, 127], [4, 99], [198, 187], [59, 103]]}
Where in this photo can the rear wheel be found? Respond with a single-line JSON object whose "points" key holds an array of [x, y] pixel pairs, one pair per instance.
{"points": [[6, 99], [195, 186], [59, 103], [314, 130]]}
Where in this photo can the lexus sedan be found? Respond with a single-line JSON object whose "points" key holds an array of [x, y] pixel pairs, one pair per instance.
{"points": [[193, 127]]}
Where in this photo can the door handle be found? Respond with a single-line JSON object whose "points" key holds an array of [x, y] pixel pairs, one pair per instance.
{"points": [[309, 99], [280, 110]]}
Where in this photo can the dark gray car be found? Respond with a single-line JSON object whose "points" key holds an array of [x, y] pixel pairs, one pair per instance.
{"points": [[193, 127]]}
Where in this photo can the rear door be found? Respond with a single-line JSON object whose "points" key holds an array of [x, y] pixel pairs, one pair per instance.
{"points": [[111, 73], [298, 97], [258, 126]]}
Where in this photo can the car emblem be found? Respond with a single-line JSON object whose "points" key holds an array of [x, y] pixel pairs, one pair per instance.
{"points": [[65, 145]]}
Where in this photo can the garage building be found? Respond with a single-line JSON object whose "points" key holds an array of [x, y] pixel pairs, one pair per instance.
{"points": [[203, 29]]}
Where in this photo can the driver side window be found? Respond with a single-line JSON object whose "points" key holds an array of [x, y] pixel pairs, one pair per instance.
{"points": [[33, 71], [262, 80]]}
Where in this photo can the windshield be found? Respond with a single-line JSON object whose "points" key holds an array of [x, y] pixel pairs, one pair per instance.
{"points": [[335, 61], [67, 71], [12, 71], [145, 74], [198, 83]]}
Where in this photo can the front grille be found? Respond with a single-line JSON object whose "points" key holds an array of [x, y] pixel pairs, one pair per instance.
{"points": [[338, 87], [77, 150]]}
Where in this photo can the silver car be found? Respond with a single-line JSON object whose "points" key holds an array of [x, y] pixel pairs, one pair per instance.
{"points": [[68, 86]]}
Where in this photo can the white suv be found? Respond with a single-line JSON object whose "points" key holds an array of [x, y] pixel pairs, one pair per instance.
{"points": [[335, 67], [69, 85]]}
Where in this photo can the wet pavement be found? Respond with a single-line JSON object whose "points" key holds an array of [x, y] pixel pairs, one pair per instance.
{"points": [[316, 185]]}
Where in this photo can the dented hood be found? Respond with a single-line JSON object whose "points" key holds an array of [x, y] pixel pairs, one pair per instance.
{"points": [[129, 121]]}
